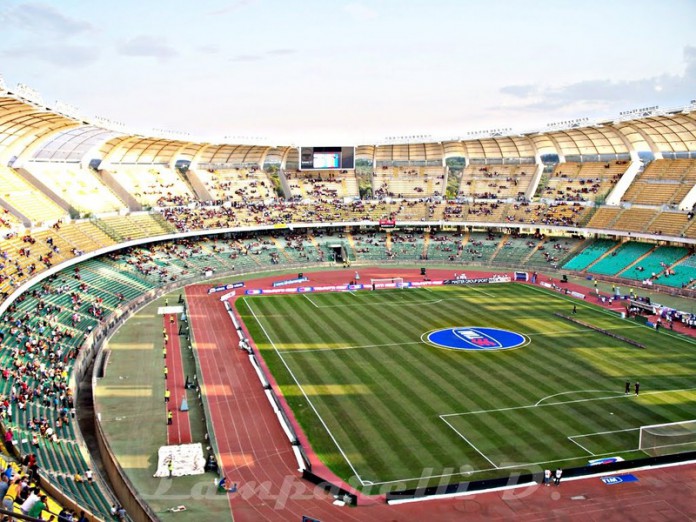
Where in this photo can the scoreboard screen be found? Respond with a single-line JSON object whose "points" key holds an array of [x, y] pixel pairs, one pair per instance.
{"points": [[327, 158]]}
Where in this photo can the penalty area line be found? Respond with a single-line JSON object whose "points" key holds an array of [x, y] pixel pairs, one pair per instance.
{"points": [[618, 396], [571, 439], [525, 466], [469, 442]]}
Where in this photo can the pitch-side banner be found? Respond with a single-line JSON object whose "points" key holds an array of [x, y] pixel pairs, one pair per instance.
{"points": [[230, 286], [340, 288], [225, 297], [290, 281], [477, 280]]}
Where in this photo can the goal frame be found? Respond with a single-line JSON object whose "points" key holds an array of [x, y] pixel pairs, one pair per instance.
{"points": [[642, 429], [397, 281]]}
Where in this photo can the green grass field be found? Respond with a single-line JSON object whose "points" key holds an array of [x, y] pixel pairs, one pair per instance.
{"points": [[381, 405]]}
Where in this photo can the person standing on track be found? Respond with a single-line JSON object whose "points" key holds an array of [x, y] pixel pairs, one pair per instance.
{"points": [[547, 477], [557, 478]]}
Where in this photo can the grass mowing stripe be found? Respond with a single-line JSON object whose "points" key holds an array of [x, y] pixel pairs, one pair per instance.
{"points": [[380, 363], [305, 395], [351, 420], [335, 371], [424, 382], [323, 445], [399, 416], [328, 372], [498, 428], [612, 314]]}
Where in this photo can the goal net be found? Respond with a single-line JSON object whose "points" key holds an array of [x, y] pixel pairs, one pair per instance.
{"points": [[666, 439], [388, 282]]}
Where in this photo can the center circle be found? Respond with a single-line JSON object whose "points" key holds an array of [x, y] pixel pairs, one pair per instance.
{"points": [[480, 338]]}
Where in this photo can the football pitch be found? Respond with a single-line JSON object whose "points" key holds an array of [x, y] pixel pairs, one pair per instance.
{"points": [[384, 405]]}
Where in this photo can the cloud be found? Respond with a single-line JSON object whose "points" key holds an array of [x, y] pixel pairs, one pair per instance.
{"points": [[208, 49], [247, 58], [604, 92], [281, 52], [41, 18], [61, 55], [520, 91], [360, 12], [234, 6], [258, 57], [147, 46]]}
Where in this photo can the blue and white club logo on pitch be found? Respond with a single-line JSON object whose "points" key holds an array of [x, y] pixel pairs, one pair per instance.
{"points": [[475, 338]]}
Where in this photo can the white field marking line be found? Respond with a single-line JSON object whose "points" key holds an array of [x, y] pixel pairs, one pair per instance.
{"points": [[310, 300], [473, 287], [605, 312], [583, 447], [602, 433], [343, 454], [576, 391], [629, 429], [666, 446], [547, 462], [290, 351], [469, 442], [638, 449], [599, 473], [565, 402], [512, 466]]}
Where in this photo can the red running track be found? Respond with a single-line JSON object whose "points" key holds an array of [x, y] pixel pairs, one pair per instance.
{"points": [[179, 432], [255, 452]]}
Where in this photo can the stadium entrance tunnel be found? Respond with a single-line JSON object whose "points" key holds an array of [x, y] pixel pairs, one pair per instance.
{"points": [[479, 338]]}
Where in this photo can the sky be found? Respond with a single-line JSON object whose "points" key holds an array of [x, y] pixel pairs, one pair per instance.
{"points": [[307, 72]]}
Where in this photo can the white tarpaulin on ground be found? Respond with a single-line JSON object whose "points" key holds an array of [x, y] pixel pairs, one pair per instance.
{"points": [[187, 459], [176, 309]]}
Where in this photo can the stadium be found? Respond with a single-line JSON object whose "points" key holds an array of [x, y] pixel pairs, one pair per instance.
{"points": [[394, 329]]}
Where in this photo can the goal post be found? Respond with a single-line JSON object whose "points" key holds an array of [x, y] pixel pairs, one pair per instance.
{"points": [[668, 438], [387, 282]]}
